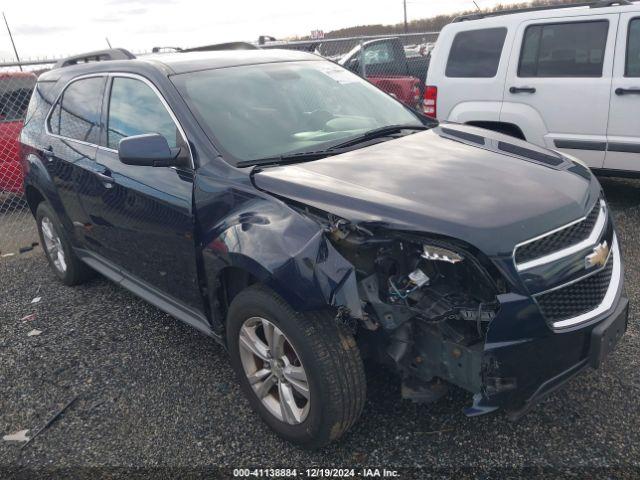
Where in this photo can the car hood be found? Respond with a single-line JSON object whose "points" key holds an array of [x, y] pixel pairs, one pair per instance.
{"points": [[487, 189]]}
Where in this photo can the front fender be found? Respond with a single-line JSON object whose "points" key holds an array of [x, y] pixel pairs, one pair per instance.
{"points": [[280, 247]]}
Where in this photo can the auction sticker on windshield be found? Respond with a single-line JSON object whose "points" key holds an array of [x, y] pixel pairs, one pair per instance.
{"points": [[338, 74]]}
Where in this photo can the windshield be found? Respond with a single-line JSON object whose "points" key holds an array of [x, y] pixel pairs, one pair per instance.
{"points": [[258, 111]]}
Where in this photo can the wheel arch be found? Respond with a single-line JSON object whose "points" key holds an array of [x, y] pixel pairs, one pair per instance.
{"points": [[230, 282], [34, 197]]}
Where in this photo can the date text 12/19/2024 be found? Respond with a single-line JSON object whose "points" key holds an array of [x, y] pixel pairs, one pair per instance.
{"points": [[314, 473]]}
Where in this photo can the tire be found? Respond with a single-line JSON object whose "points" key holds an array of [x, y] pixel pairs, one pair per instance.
{"points": [[327, 353], [68, 268]]}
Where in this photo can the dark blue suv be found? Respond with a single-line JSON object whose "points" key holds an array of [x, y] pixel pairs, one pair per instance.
{"points": [[308, 221]]}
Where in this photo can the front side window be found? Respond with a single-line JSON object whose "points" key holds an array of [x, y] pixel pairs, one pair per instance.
{"points": [[632, 68], [256, 111], [564, 50], [135, 109], [476, 53], [77, 113]]}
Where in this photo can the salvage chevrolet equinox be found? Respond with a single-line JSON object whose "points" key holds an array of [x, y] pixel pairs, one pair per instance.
{"points": [[309, 222]]}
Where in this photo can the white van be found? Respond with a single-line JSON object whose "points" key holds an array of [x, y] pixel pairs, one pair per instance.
{"points": [[567, 78]]}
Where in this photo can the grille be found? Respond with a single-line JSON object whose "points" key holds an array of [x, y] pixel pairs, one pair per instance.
{"points": [[559, 240], [577, 298]]}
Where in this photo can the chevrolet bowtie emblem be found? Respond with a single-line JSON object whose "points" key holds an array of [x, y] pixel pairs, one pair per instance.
{"points": [[599, 256]]}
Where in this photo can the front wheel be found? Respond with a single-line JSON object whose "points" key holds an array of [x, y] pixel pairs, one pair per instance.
{"points": [[301, 372]]}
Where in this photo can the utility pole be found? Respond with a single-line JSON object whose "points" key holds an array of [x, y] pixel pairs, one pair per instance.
{"points": [[406, 25], [12, 42]]}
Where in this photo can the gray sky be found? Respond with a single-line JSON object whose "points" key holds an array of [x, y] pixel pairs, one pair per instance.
{"points": [[63, 27]]}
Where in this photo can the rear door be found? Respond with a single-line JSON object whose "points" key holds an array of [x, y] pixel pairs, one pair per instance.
{"points": [[144, 214], [559, 83], [73, 128], [623, 149]]}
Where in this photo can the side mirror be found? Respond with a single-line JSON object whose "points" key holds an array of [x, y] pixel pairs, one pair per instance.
{"points": [[148, 150]]}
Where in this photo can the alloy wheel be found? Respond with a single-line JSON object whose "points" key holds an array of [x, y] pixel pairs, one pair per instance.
{"points": [[53, 245], [274, 370]]}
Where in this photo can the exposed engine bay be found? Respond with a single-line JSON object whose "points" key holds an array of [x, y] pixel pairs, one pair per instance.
{"points": [[427, 305]]}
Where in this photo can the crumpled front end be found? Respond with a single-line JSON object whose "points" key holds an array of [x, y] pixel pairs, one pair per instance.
{"points": [[509, 330]]}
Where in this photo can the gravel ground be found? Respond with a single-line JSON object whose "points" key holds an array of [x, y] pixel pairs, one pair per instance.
{"points": [[17, 228], [153, 392]]}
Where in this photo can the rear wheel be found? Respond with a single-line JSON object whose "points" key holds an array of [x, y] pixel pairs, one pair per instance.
{"points": [[301, 372], [63, 260]]}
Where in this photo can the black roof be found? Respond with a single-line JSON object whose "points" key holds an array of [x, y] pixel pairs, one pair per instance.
{"points": [[170, 63], [188, 62]]}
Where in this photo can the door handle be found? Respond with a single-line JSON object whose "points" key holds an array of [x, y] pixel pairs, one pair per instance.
{"points": [[627, 91], [106, 179], [48, 153], [522, 90]]}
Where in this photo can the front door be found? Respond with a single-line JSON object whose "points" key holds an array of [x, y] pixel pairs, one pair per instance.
{"points": [[623, 148], [145, 213], [559, 83]]}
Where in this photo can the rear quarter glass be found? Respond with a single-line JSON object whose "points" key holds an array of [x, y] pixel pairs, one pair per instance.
{"points": [[476, 53]]}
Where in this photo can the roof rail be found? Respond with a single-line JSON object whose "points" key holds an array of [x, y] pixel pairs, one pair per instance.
{"points": [[97, 56], [223, 46], [207, 48], [166, 49], [598, 4]]}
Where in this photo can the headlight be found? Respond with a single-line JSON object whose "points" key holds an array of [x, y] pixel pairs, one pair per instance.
{"points": [[439, 254]]}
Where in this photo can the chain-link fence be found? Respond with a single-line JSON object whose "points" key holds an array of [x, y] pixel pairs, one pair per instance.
{"points": [[397, 64], [17, 228]]}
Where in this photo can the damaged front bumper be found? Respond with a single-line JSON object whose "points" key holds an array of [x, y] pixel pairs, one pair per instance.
{"points": [[519, 371], [525, 358]]}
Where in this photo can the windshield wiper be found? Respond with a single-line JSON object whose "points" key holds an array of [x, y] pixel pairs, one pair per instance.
{"points": [[335, 150], [380, 132], [290, 158]]}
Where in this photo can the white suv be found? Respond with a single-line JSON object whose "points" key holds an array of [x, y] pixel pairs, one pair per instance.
{"points": [[567, 78]]}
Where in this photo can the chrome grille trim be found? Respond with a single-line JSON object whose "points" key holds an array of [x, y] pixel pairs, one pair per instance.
{"points": [[593, 238], [609, 298]]}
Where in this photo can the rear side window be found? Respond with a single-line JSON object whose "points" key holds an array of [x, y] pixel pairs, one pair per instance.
{"points": [[633, 50], [77, 113], [476, 54], [135, 109], [41, 100], [564, 50], [379, 54]]}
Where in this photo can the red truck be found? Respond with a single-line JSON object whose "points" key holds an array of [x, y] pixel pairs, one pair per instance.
{"points": [[387, 66], [15, 92]]}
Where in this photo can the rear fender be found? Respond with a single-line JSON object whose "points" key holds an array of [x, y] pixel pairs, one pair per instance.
{"points": [[37, 176], [529, 121], [466, 112]]}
